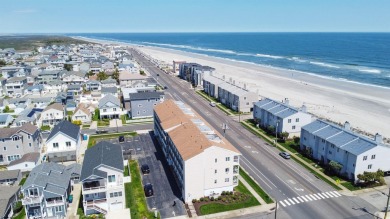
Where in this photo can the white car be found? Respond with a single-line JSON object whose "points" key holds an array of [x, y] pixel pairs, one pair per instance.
{"points": [[213, 104]]}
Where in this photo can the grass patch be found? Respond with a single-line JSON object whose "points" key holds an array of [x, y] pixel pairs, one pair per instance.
{"points": [[135, 198], [21, 183], [86, 126], [126, 171], [219, 207], [219, 105], [45, 128], [124, 118], [103, 123], [93, 138], [256, 187], [21, 215], [69, 113]]}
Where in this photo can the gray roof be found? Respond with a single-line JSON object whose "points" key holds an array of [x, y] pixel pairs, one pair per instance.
{"points": [[108, 81], [109, 90], [77, 73], [66, 128], [103, 153], [108, 98], [74, 87], [5, 117], [145, 95], [29, 157], [6, 193], [276, 108], [341, 137], [9, 174], [27, 127]]}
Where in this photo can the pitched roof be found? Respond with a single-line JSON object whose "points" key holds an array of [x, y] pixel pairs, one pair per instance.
{"points": [[108, 98], [9, 174], [82, 108], [29, 157], [145, 95], [66, 128], [129, 76], [6, 192], [56, 106], [109, 90], [188, 131], [103, 153], [5, 117], [27, 127]]}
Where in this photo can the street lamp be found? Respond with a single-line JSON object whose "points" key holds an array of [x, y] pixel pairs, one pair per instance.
{"points": [[276, 132], [387, 205]]}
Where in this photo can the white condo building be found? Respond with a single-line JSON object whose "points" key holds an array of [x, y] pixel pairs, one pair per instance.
{"points": [[204, 163], [328, 142]]}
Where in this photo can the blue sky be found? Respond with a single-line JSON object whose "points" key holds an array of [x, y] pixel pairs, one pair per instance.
{"points": [[65, 16]]}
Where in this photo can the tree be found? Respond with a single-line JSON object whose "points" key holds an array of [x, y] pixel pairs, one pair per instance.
{"points": [[335, 166], [102, 76], [68, 67], [115, 75], [141, 72], [90, 73], [284, 135], [96, 115], [2, 63], [297, 140], [6, 109]]}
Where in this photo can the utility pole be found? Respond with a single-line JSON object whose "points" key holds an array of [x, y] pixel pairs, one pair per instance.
{"points": [[387, 205], [224, 127], [276, 207]]}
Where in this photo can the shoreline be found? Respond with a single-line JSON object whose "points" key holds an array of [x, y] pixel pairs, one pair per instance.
{"points": [[327, 98]]}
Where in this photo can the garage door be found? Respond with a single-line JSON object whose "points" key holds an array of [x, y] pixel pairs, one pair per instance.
{"points": [[116, 206]]}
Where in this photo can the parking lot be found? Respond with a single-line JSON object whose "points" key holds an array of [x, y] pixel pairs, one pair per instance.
{"points": [[145, 149]]}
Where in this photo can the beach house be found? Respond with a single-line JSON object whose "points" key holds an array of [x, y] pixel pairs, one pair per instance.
{"points": [[140, 105], [102, 179], [356, 154], [52, 115], [281, 116], [110, 107], [204, 163]]}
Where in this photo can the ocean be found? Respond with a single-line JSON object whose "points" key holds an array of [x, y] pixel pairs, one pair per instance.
{"points": [[355, 57]]}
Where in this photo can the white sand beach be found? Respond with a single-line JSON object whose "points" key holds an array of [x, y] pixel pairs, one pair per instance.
{"points": [[366, 107]]}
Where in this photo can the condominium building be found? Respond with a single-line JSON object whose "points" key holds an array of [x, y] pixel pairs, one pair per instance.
{"points": [[204, 163], [328, 142], [281, 116], [102, 179], [47, 189], [194, 72]]}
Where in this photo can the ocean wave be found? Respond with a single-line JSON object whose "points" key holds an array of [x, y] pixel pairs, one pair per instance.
{"points": [[373, 71], [297, 59], [324, 64], [269, 56], [192, 48]]}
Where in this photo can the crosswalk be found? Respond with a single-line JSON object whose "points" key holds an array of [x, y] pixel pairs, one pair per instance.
{"points": [[308, 198]]}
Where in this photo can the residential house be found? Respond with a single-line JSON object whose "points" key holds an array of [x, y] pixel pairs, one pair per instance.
{"points": [[108, 67], [26, 163], [8, 197], [129, 67], [70, 105], [5, 120], [15, 142], [281, 116], [356, 154], [74, 77], [84, 67], [102, 179], [109, 90], [140, 105], [3, 81], [10, 177], [16, 86], [92, 85], [127, 79], [52, 115], [63, 142], [35, 89], [55, 87], [110, 107], [95, 67], [203, 162], [108, 83], [74, 90], [46, 77], [82, 114], [47, 189], [29, 115]]}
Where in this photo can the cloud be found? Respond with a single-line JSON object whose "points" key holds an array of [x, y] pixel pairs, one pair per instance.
{"points": [[25, 11]]}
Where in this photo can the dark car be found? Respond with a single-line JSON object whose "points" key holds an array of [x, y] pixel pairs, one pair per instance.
{"points": [[101, 131], [165, 87], [148, 189], [145, 169], [285, 155], [121, 139], [158, 74]]}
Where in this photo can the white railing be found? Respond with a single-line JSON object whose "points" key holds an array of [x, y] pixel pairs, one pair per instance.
{"points": [[54, 202], [95, 189], [32, 200]]}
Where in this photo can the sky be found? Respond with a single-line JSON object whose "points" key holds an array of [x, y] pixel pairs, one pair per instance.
{"points": [[85, 16]]}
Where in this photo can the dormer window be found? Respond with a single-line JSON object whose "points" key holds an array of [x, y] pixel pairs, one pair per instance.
{"points": [[15, 138]]}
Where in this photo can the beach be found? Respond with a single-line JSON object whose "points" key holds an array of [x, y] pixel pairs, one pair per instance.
{"points": [[366, 107]]}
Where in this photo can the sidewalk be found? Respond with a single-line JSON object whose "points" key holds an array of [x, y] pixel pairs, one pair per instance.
{"points": [[254, 193], [93, 125], [72, 209], [82, 149], [343, 190]]}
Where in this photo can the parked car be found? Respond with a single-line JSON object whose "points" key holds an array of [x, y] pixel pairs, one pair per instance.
{"points": [[148, 189], [285, 155], [145, 169], [158, 74], [165, 87], [121, 139], [101, 131], [213, 104]]}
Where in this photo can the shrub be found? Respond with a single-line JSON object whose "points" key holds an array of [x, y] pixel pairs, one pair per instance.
{"points": [[206, 199], [223, 199], [212, 199], [201, 199], [223, 193], [194, 200], [219, 198], [18, 206], [231, 193]]}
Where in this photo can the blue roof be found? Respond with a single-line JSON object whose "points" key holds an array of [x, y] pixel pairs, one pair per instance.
{"points": [[276, 108], [4, 117]]}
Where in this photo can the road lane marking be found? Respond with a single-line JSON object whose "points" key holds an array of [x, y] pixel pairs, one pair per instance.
{"points": [[308, 197], [319, 194], [304, 198], [325, 195], [333, 193], [337, 193], [281, 202], [259, 176], [295, 200], [313, 197], [288, 203], [300, 199], [329, 194], [292, 202], [318, 197]]}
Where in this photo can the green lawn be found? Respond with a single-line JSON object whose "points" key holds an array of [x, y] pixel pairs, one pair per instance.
{"points": [[256, 187], [45, 128], [219, 105], [93, 138], [21, 215], [103, 123], [135, 198], [126, 171], [69, 113], [219, 207], [22, 181]]}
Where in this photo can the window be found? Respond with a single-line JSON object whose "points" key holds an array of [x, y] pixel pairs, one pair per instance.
{"points": [[289, 120], [55, 145], [17, 146], [115, 194], [139, 105], [227, 158], [338, 149], [104, 110], [58, 208], [1, 158], [369, 167], [372, 157], [216, 160], [297, 120], [215, 181], [15, 138], [330, 152], [29, 144], [322, 140], [215, 171], [114, 109], [226, 179], [4, 148], [68, 144], [293, 127], [29, 136], [111, 178], [365, 158], [227, 170], [13, 157]]}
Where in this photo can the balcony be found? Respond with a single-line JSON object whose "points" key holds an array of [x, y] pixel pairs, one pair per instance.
{"points": [[99, 205], [94, 187], [235, 169], [54, 202], [29, 200]]}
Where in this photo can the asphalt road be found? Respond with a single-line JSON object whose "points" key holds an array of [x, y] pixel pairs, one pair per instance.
{"points": [[282, 179], [126, 128]]}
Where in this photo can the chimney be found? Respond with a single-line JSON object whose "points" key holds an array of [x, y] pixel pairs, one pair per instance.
{"points": [[223, 77], [234, 82], [244, 86], [230, 80], [347, 126], [304, 108], [286, 101], [378, 138]]}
